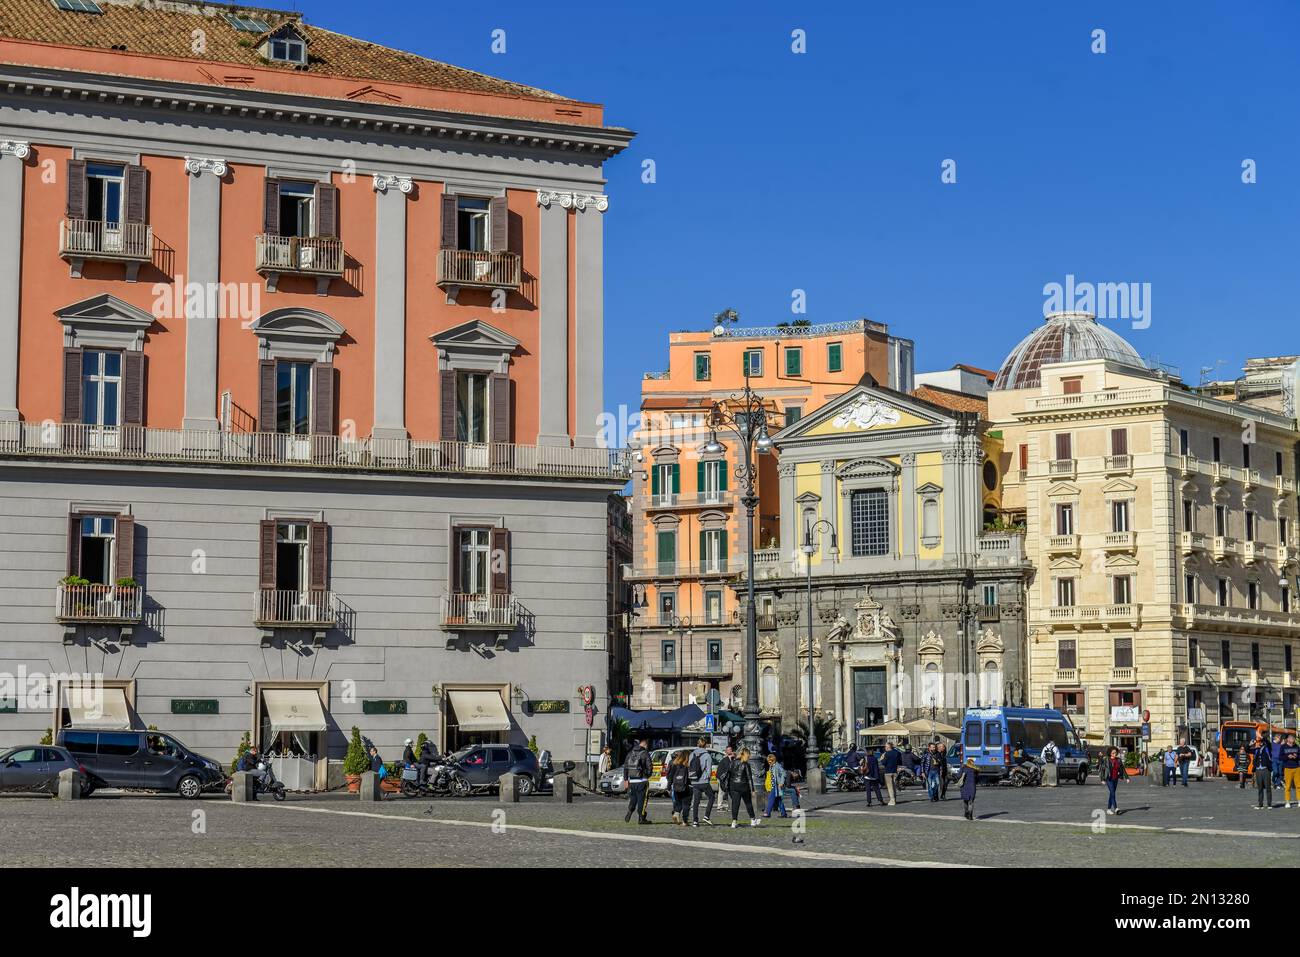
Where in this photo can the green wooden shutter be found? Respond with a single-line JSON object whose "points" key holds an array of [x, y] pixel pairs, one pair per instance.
{"points": [[699, 477], [722, 547], [834, 358], [654, 480], [722, 476], [677, 478], [793, 361], [704, 555]]}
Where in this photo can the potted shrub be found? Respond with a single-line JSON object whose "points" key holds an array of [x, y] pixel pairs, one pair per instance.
{"points": [[356, 763], [244, 745], [392, 782], [420, 742]]}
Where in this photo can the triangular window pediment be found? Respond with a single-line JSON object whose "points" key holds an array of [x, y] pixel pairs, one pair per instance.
{"points": [[1066, 564], [1121, 561], [474, 346], [1118, 487], [1063, 490]]}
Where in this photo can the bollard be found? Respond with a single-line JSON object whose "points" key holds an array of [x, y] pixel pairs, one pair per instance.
{"points": [[243, 787], [509, 788], [370, 789], [1050, 775], [69, 785], [817, 781], [563, 790]]}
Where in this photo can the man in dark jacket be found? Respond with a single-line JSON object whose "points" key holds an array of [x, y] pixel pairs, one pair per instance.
{"points": [[1262, 752], [408, 754], [889, 762], [871, 774], [428, 758], [637, 768], [1185, 755], [941, 754], [248, 760]]}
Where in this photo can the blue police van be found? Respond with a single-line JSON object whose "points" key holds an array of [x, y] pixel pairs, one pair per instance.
{"points": [[992, 735]]}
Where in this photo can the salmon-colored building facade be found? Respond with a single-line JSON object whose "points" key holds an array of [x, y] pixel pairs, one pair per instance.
{"points": [[325, 320]]}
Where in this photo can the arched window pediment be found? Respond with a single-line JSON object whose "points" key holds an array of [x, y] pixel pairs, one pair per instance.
{"points": [[297, 333]]}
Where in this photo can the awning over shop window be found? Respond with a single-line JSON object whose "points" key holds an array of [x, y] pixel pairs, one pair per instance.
{"points": [[293, 709], [97, 707], [479, 710]]}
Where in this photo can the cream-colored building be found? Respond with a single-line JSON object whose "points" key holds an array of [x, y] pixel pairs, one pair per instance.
{"points": [[1161, 524]]}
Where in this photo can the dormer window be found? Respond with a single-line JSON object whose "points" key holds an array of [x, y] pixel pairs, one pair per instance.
{"points": [[288, 51]]}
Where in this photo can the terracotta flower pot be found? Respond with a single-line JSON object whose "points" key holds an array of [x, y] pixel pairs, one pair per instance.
{"points": [[354, 782]]}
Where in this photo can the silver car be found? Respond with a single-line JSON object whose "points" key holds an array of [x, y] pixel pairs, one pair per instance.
{"points": [[35, 769]]}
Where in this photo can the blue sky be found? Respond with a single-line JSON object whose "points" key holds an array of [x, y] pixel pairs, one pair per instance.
{"points": [[820, 171]]}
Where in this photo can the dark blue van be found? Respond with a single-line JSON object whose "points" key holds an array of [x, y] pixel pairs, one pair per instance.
{"points": [[991, 736]]}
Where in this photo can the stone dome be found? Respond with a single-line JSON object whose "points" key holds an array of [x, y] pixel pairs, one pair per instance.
{"points": [[1063, 337]]}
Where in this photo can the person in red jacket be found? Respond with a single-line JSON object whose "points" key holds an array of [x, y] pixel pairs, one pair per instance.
{"points": [[1112, 769]]}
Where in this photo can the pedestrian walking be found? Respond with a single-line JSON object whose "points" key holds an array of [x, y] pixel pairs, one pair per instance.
{"points": [[1112, 770], [700, 768], [606, 761], [942, 753], [930, 773], [1262, 752], [1290, 762], [678, 777], [1242, 766], [775, 784], [890, 760], [737, 778], [871, 774], [1184, 755], [968, 779], [1169, 763], [636, 768]]}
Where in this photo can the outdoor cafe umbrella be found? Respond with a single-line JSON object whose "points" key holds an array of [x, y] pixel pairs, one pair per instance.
{"points": [[926, 726], [886, 729]]}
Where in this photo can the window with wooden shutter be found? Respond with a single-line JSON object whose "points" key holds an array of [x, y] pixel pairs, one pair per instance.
{"points": [[125, 547], [1119, 441], [453, 559], [1024, 458], [498, 225], [1063, 447], [271, 208], [322, 398], [318, 562], [327, 211], [137, 194], [448, 404], [133, 388], [266, 395], [266, 554], [500, 559], [74, 544], [71, 386], [76, 189], [447, 239], [500, 399], [1072, 386]]}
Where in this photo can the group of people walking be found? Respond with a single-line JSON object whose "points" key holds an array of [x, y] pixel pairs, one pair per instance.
{"points": [[1272, 762]]}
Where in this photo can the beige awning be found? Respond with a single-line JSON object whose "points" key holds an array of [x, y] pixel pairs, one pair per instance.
{"points": [[480, 710], [886, 729], [91, 706], [926, 726], [294, 709]]}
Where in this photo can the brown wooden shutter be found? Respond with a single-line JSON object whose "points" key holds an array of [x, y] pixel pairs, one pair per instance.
{"points": [[71, 386], [1119, 441], [76, 189], [266, 395], [500, 400], [327, 211], [448, 390], [499, 564], [1072, 386], [137, 194], [74, 544], [498, 225], [1063, 446], [453, 558], [266, 554], [318, 540], [322, 398], [125, 547], [133, 388], [448, 238], [1024, 458], [271, 208]]}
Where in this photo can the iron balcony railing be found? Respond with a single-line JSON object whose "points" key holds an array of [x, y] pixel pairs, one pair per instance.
{"points": [[465, 267], [310, 255], [97, 603], [95, 239], [498, 611], [291, 606], [274, 449]]}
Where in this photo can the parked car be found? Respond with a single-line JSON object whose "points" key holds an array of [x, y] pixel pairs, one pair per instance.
{"points": [[662, 757], [141, 761], [35, 768], [484, 764], [1196, 770], [613, 782]]}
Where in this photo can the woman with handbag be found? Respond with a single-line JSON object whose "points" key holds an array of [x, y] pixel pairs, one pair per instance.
{"points": [[775, 784], [678, 778], [740, 786], [1112, 769]]}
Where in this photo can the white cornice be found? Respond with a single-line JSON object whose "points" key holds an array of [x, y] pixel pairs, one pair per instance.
{"points": [[15, 148], [567, 200], [399, 181], [198, 165]]}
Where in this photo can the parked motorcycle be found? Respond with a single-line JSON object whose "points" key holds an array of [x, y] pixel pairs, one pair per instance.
{"points": [[904, 778], [1029, 774], [848, 779]]}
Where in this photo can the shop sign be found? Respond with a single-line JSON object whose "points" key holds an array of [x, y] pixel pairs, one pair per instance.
{"points": [[1196, 716], [194, 706], [384, 706], [1126, 713], [547, 706], [1125, 731]]}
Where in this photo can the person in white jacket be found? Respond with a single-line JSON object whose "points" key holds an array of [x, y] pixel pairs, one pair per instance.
{"points": [[1050, 753]]}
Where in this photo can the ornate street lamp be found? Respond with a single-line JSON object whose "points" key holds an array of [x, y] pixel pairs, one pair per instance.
{"points": [[745, 417], [811, 532]]}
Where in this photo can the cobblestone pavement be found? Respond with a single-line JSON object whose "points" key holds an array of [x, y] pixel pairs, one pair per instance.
{"points": [[1209, 824]]}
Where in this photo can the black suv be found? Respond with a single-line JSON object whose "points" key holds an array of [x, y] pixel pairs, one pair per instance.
{"points": [[141, 761], [483, 765]]}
